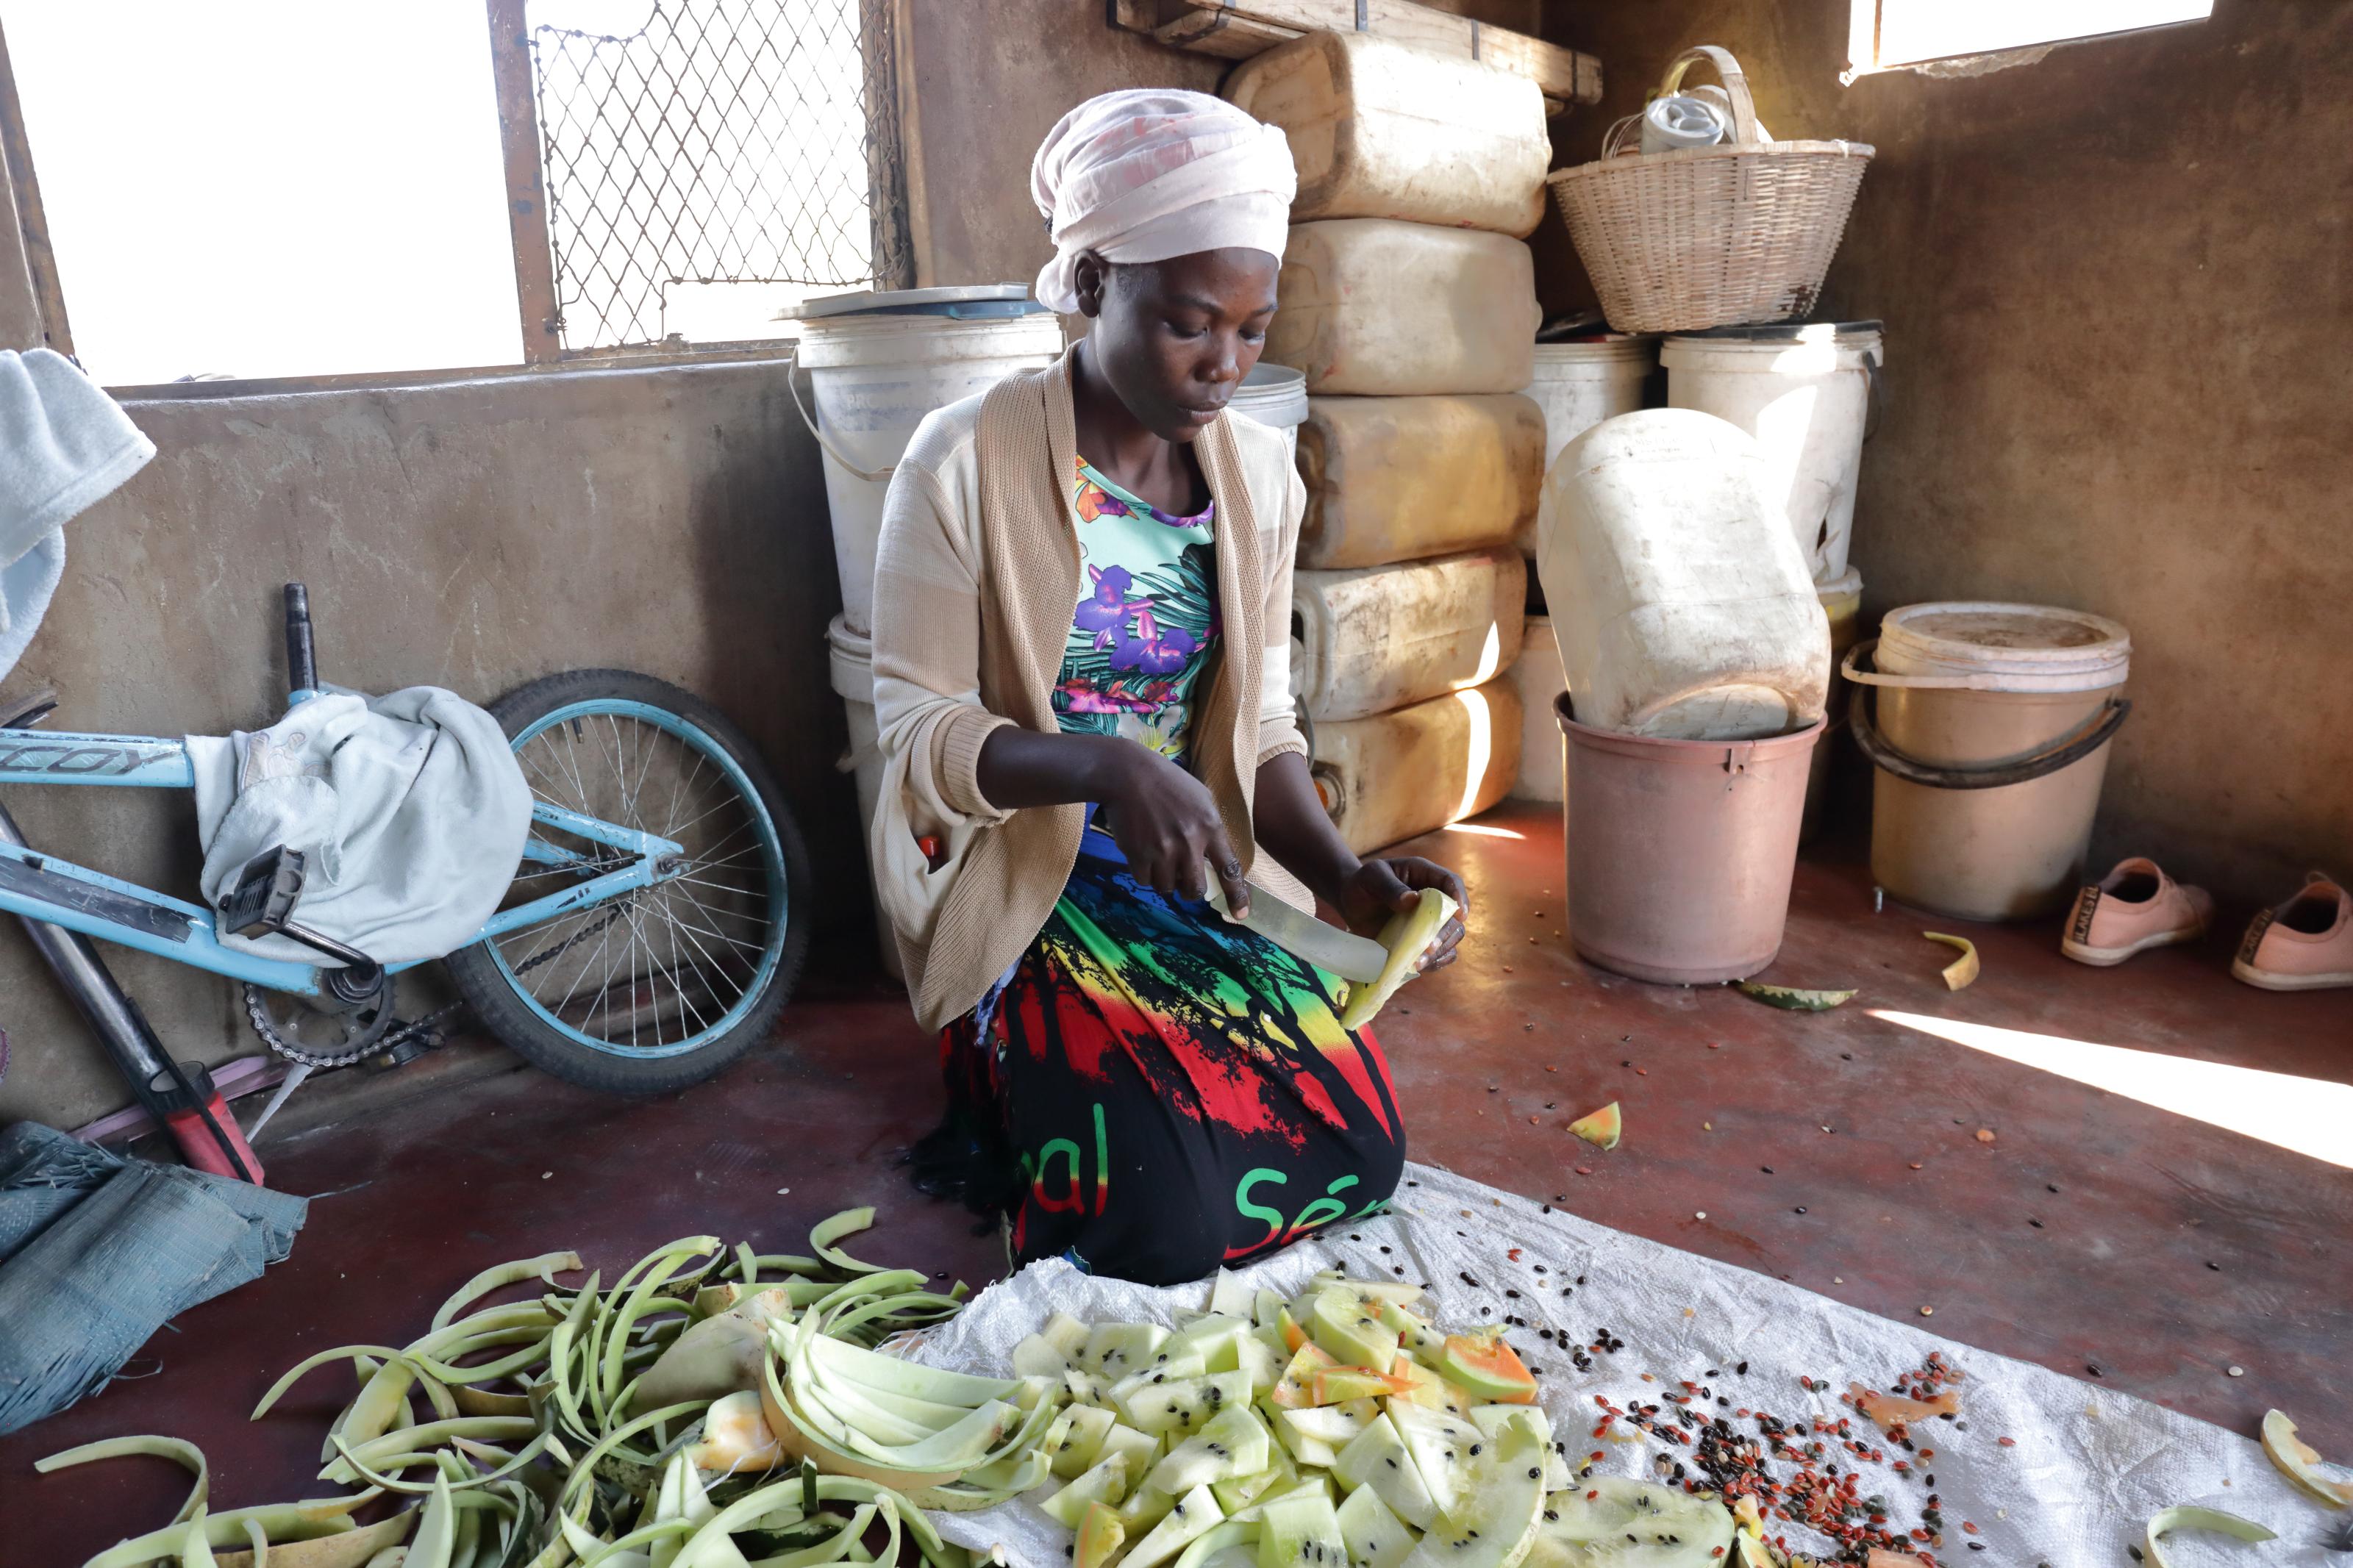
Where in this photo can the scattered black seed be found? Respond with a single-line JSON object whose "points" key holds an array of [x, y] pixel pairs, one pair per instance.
{"points": [[2136, 1552], [1742, 1369], [2215, 1266], [2054, 1187], [1801, 1208], [2090, 1368], [2035, 1223], [1383, 1250]]}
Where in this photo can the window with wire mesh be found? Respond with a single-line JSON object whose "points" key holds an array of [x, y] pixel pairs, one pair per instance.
{"points": [[725, 143]]}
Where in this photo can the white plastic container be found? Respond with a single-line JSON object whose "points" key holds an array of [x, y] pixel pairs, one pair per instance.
{"points": [[1397, 479], [1387, 309], [1535, 675], [853, 681], [1378, 637], [1400, 774], [1805, 393], [1273, 395], [1381, 129], [1684, 608], [877, 366], [1578, 385]]}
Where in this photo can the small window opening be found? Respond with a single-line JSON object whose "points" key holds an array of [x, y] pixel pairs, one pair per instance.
{"points": [[1887, 35]]}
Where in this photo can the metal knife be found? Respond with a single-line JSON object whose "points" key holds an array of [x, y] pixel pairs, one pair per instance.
{"points": [[1344, 953]]}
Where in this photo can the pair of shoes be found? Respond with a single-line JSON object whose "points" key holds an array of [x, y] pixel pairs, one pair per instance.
{"points": [[2304, 944]]}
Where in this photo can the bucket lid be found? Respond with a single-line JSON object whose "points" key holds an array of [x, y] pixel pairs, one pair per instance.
{"points": [[1848, 583], [1614, 348], [1789, 332], [1272, 394], [963, 303], [2020, 647]]}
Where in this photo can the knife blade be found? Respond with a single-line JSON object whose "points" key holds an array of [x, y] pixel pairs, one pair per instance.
{"points": [[1344, 953]]}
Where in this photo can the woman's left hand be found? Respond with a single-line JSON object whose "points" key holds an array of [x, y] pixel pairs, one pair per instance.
{"points": [[1379, 889]]}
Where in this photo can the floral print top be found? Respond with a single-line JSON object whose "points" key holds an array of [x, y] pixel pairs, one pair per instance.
{"points": [[1146, 619]]}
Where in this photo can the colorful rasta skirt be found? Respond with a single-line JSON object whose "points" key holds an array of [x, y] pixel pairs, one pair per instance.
{"points": [[1165, 1092]]}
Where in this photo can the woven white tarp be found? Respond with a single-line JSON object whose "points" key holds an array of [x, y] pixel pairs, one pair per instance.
{"points": [[2088, 1468]]}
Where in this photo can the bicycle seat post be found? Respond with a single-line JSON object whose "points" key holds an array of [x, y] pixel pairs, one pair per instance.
{"points": [[302, 652]]}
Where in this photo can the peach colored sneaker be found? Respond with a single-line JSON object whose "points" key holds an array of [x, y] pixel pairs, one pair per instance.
{"points": [[2304, 944], [2132, 908]]}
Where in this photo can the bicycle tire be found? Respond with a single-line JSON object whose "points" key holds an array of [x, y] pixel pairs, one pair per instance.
{"points": [[493, 988]]}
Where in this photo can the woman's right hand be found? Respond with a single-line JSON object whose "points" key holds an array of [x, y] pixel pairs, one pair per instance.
{"points": [[1165, 822]]}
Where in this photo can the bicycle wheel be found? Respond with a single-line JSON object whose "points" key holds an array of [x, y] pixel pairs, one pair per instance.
{"points": [[659, 989]]}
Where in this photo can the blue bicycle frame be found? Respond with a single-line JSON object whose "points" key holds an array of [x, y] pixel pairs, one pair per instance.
{"points": [[40, 887]]}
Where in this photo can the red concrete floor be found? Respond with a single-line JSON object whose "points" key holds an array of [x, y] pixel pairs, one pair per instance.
{"points": [[2170, 1251]]}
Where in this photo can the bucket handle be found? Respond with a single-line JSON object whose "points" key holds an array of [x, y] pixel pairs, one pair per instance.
{"points": [[1875, 676], [1735, 87], [792, 384], [1875, 380], [2098, 732]]}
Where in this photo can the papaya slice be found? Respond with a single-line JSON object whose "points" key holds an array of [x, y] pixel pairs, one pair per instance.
{"points": [[1408, 935], [1339, 1384], [1487, 1367], [1602, 1127]]}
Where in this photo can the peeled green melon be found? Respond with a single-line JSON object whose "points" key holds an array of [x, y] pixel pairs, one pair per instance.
{"points": [[1105, 1483], [1193, 1516], [1631, 1524], [1442, 1449], [1082, 1445], [1406, 936], [1376, 1458], [1501, 1509], [1232, 1445], [1101, 1535], [1376, 1537], [1350, 1328], [1114, 1350], [1484, 1365], [1233, 1544], [1185, 1405], [1302, 1531]]}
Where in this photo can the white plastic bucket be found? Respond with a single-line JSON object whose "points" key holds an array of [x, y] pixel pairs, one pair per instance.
{"points": [[1580, 385], [1805, 392], [1273, 395], [876, 372], [1537, 674], [1983, 646], [853, 681]]}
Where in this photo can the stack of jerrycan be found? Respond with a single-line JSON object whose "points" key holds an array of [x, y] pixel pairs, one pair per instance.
{"points": [[1408, 298]]}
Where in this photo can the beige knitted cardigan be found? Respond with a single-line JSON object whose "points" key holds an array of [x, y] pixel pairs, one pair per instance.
{"points": [[975, 581]]}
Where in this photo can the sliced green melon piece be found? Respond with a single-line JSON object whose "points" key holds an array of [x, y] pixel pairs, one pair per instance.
{"points": [[1114, 1350], [1493, 1418], [1140, 1448], [1238, 1493], [1406, 936], [1083, 1443], [1422, 1386], [1340, 1384], [1376, 1537], [1105, 1483], [1441, 1449], [1376, 1458], [1295, 1389], [1037, 1357], [1626, 1523], [1194, 1515], [1404, 1292], [1144, 1508], [1602, 1127], [1502, 1507], [1256, 1359], [1186, 1404], [1266, 1309], [1177, 1369], [1211, 1338], [1101, 1535], [1413, 1334], [1233, 1544], [1301, 1530], [1287, 1324], [1350, 1328], [1232, 1445], [1336, 1424], [1228, 1297], [1066, 1334], [1484, 1365], [1086, 1388]]}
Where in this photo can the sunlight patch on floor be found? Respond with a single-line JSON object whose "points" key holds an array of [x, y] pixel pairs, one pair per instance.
{"points": [[2309, 1115], [1481, 830]]}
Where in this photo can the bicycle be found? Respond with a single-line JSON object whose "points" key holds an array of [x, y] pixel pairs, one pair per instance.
{"points": [[654, 929]]}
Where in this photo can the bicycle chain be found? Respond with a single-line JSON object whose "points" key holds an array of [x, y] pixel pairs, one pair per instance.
{"points": [[257, 1014]]}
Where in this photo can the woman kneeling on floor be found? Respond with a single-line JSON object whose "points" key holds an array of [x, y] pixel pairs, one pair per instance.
{"points": [[1082, 675]]}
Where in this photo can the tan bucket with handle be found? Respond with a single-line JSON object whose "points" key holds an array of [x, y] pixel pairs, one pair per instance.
{"points": [[1989, 743]]}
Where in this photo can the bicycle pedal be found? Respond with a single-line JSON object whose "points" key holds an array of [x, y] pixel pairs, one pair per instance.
{"points": [[400, 1056], [266, 891]]}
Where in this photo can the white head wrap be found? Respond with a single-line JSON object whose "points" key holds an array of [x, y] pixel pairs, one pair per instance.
{"points": [[1148, 173]]}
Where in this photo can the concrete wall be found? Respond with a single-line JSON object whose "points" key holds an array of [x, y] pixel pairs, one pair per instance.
{"points": [[2116, 291], [471, 531]]}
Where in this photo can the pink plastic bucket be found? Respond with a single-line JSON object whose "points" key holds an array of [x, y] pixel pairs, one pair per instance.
{"points": [[1680, 852]]}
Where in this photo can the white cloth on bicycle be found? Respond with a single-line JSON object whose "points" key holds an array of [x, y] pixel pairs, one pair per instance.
{"points": [[64, 446], [411, 810]]}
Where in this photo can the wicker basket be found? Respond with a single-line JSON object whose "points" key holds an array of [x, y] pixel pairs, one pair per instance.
{"points": [[1711, 237]]}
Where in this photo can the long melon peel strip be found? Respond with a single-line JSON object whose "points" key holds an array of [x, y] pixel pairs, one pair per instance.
{"points": [[1408, 935], [1962, 970], [174, 1448], [543, 1268], [349, 1548], [2187, 1518], [848, 1222], [1794, 999], [2298, 1459], [310, 1363]]}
